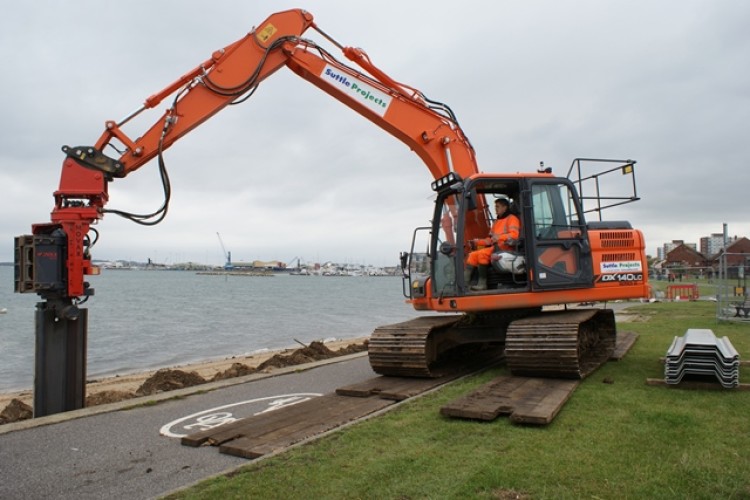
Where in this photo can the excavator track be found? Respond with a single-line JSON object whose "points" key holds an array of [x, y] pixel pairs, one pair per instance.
{"points": [[561, 344], [431, 346], [408, 349]]}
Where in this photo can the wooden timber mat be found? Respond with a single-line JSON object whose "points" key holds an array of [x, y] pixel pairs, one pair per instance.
{"points": [[395, 388], [265, 433], [527, 400], [534, 401], [623, 344]]}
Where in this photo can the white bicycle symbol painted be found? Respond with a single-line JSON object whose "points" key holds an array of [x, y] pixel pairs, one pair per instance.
{"points": [[215, 417]]}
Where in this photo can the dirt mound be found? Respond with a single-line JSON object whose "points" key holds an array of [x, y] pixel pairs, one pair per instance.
{"points": [[169, 380], [352, 349], [236, 370], [316, 351], [15, 411], [104, 397]]}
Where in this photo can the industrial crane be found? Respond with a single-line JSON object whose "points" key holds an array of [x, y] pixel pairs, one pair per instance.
{"points": [[227, 255]]}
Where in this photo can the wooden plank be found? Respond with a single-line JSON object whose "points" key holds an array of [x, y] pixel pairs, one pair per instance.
{"points": [[257, 435], [694, 384], [486, 402], [542, 408], [199, 438], [260, 423], [396, 388], [338, 410], [624, 343], [364, 389], [528, 400], [413, 386]]}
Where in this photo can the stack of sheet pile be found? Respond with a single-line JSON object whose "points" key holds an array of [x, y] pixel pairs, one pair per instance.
{"points": [[701, 354]]}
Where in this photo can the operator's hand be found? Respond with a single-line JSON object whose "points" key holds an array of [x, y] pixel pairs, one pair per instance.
{"points": [[473, 244]]}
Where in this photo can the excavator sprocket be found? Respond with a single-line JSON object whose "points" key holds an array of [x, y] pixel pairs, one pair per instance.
{"points": [[560, 344]]}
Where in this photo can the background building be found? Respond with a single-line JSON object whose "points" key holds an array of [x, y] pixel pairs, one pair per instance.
{"points": [[712, 245], [661, 253]]}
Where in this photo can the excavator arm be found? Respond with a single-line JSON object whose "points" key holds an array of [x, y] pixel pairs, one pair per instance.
{"points": [[229, 76]]}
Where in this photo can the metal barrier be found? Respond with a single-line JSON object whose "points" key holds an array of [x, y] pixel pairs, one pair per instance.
{"points": [[688, 291]]}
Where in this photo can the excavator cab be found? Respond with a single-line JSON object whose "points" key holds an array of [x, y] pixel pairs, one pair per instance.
{"points": [[551, 252], [557, 258]]}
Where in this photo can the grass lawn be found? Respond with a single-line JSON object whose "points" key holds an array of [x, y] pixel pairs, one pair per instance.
{"points": [[612, 440]]}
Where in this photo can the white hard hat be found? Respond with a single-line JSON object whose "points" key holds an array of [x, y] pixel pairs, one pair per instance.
{"points": [[503, 198]]}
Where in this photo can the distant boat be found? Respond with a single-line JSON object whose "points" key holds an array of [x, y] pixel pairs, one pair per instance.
{"points": [[3, 310]]}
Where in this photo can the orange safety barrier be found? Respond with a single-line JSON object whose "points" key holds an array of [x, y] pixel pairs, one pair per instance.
{"points": [[683, 292]]}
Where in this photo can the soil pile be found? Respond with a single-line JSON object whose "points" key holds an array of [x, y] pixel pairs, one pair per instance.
{"points": [[316, 351], [15, 411], [236, 370], [169, 380], [352, 348], [104, 397]]}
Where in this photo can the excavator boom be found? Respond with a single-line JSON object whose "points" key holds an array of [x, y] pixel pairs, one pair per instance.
{"points": [[232, 74]]}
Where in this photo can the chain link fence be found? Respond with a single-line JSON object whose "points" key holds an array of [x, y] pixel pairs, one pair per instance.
{"points": [[726, 283], [732, 302]]}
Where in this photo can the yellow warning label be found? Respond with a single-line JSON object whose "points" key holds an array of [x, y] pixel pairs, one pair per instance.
{"points": [[266, 33]]}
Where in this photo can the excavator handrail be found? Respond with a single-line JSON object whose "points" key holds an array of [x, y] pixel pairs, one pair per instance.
{"points": [[601, 202]]}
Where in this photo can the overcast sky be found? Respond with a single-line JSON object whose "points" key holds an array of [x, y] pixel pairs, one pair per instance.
{"points": [[294, 173]]}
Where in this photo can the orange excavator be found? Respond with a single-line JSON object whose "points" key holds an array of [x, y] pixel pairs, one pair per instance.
{"points": [[556, 257]]}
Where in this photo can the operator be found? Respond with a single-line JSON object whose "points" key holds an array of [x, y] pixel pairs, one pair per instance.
{"points": [[503, 236]]}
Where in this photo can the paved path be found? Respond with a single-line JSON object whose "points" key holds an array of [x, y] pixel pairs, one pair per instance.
{"points": [[136, 453]]}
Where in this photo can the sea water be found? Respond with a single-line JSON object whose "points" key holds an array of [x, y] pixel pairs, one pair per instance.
{"points": [[142, 320]]}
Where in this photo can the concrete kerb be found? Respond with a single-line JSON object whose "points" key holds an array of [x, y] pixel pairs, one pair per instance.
{"points": [[162, 396]]}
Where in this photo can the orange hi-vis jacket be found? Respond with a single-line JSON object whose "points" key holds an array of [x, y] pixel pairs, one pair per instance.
{"points": [[507, 228]]}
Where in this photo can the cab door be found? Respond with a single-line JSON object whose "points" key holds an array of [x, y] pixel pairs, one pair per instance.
{"points": [[560, 253]]}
